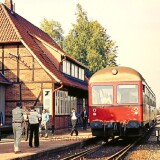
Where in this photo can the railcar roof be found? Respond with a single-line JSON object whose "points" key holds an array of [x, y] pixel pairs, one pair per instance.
{"points": [[123, 74]]}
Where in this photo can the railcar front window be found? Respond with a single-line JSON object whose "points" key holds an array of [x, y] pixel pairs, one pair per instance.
{"points": [[127, 94], [102, 94]]}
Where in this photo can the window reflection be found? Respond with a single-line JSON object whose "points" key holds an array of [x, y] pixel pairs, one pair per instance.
{"points": [[127, 94], [102, 94]]}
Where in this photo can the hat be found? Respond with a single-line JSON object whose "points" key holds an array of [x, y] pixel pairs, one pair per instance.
{"points": [[19, 104]]}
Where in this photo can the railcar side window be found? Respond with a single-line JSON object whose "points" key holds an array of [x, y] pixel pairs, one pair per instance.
{"points": [[102, 94], [127, 94]]}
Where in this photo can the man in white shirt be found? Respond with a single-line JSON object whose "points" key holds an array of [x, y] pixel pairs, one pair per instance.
{"points": [[74, 117], [17, 119], [34, 127]]}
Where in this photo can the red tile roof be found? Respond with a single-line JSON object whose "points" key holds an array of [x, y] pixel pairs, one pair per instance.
{"points": [[19, 29], [7, 33]]}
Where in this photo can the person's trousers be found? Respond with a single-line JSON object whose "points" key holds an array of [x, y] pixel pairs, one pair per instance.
{"points": [[26, 129], [34, 130], [85, 123], [44, 124], [17, 131], [74, 128]]}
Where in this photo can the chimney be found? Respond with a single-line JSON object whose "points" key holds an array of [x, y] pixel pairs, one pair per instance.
{"points": [[9, 4]]}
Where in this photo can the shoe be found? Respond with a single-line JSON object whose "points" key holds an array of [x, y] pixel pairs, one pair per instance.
{"points": [[30, 146], [36, 146], [17, 152], [46, 136], [72, 133], [76, 133]]}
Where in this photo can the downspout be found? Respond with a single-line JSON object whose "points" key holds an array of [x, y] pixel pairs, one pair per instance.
{"points": [[53, 110]]}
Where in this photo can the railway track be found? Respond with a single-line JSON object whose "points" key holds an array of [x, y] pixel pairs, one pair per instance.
{"points": [[85, 152], [120, 153], [123, 151]]}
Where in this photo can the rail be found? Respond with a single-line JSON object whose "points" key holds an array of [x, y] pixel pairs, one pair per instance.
{"points": [[83, 153], [123, 151], [117, 156], [88, 151]]}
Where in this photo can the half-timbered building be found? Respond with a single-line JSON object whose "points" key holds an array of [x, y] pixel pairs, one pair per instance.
{"points": [[36, 71]]}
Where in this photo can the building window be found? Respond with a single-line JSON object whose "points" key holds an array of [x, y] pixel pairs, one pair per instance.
{"points": [[81, 73], [68, 68], [73, 102], [61, 103], [84, 102], [73, 70], [64, 66], [76, 71], [64, 103], [80, 70]]}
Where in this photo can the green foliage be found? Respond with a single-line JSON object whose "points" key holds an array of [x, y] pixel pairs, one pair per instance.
{"points": [[54, 29], [88, 43]]}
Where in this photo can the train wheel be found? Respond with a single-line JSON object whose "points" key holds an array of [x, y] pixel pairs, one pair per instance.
{"points": [[112, 137], [105, 139]]}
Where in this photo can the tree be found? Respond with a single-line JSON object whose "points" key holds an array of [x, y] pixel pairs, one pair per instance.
{"points": [[54, 29], [88, 43]]}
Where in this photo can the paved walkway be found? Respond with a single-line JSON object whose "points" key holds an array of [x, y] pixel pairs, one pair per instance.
{"points": [[55, 142], [51, 143]]}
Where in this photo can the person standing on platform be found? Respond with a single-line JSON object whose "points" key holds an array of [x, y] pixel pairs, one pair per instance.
{"points": [[74, 117], [25, 125], [44, 122], [34, 127], [84, 116], [17, 120]]}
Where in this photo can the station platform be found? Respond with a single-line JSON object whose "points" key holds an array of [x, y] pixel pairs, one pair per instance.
{"points": [[58, 141]]}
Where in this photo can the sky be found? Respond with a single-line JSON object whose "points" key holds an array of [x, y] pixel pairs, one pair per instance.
{"points": [[133, 24]]}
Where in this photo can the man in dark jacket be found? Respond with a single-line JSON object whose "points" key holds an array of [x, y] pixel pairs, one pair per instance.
{"points": [[84, 116]]}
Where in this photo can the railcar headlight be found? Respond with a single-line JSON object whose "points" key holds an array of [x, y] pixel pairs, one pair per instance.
{"points": [[94, 112], [114, 71], [136, 111]]}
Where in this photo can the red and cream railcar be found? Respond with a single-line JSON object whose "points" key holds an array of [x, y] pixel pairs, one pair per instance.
{"points": [[120, 103]]}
